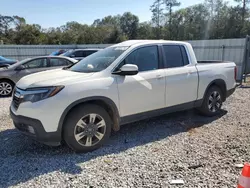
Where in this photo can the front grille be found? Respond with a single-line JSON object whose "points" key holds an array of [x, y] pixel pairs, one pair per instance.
{"points": [[16, 100]]}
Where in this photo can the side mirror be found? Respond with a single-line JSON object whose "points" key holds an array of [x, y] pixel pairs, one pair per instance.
{"points": [[128, 69], [21, 67], [72, 55]]}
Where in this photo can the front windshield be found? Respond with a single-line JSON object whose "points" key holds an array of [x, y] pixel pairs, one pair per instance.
{"points": [[99, 60]]}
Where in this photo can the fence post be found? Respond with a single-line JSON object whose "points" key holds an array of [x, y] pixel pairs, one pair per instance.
{"points": [[246, 51], [18, 53], [45, 51], [223, 52], [247, 58]]}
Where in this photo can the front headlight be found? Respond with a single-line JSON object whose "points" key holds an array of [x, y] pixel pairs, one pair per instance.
{"points": [[37, 94]]}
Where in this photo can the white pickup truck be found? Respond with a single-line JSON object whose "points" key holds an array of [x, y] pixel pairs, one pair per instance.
{"points": [[123, 83]]}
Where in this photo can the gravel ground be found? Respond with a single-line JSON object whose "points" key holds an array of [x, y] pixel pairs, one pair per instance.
{"points": [[201, 151]]}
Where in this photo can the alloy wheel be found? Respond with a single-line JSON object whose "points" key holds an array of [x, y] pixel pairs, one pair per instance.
{"points": [[90, 129], [5, 88], [214, 101]]}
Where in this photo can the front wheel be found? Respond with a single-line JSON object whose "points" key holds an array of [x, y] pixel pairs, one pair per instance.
{"points": [[6, 88], [212, 102], [87, 128]]}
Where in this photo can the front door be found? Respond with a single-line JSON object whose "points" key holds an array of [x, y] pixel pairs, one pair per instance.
{"points": [[146, 90], [33, 66]]}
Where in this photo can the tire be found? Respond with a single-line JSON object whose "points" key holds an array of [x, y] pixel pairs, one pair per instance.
{"points": [[6, 88], [87, 128], [212, 102]]}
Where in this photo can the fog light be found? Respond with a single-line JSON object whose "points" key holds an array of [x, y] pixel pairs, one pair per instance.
{"points": [[31, 130]]}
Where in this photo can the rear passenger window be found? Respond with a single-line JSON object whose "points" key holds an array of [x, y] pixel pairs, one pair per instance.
{"points": [[175, 55], [58, 62], [145, 58]]}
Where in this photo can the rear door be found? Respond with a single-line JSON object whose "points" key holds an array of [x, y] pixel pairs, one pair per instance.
{"points": [[32, 66], [181, 76]]}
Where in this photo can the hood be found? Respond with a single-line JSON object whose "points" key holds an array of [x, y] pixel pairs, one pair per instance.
{"points": [[51, 78]]}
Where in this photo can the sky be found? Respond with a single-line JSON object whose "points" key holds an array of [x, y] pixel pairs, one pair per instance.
{"points": [[54, 13]]}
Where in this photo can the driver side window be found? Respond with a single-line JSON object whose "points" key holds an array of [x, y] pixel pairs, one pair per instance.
{"points": [[37, 63], [146, 58]]}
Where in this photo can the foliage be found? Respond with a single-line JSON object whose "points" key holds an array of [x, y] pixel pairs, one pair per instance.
{"points": [[213, 19]]}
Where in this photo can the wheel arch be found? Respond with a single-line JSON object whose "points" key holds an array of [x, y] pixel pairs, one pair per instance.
{"points": [[8, 79], [104, 102], [219, 83]]}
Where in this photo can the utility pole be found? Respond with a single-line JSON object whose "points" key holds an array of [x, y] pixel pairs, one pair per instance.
{"points": [[170, 19], [158, 20], [243, 12]]}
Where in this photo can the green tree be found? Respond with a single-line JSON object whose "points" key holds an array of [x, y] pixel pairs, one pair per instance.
{"points": [[190, 23], [129, 25], [28, 34], [170, 4], [145, 31], [5, 26], [243, 4], [157, 16]]}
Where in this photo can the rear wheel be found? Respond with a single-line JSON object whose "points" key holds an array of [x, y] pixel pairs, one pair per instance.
{"points": [[87, 128], [212, 102], [6, 88]]}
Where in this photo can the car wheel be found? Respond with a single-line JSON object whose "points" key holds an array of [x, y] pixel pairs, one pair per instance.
{"points": [[212, 102], [6, 88], [87, 128]]}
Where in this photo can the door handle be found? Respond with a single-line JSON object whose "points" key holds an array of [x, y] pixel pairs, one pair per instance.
{"points": [[159, 77]]}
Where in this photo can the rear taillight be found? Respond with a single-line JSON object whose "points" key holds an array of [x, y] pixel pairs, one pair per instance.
{"points": [[235, 72]]}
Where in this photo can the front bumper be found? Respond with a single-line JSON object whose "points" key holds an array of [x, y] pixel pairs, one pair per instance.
{"points": [[34, 128]]}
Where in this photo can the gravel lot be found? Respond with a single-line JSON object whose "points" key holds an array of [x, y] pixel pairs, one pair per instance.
{"points": [[201, 151]]}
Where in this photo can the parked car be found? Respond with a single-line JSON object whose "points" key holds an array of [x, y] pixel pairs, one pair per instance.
{"points": [[79, 54], [121, 84], [5, 61], [58, 52], [11, 74]]}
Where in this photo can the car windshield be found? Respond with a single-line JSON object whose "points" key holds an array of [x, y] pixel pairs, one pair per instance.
{"points": [[99, 60], [67, 53]]}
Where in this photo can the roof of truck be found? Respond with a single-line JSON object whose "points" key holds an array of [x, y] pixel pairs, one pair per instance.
{"points": [[143, 42]]}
